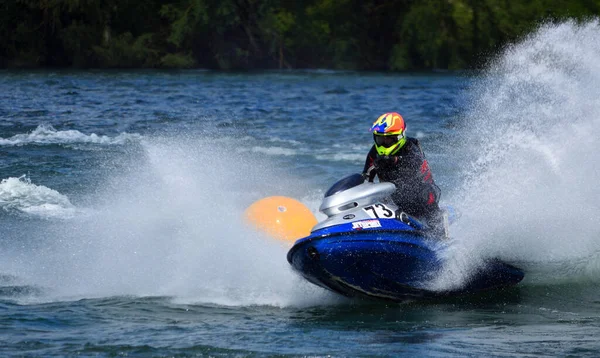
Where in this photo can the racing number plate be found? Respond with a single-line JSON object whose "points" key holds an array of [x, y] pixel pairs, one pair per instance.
{"points": [[379, 211]]}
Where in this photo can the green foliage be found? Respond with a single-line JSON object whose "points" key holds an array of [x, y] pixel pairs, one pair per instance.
{"points": [[437, 34], [332, 26], [246, 34], [185, 19], [75, 39], [125, 51], [177, 60]]}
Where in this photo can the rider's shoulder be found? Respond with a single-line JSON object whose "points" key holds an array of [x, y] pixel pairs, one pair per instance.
{"points": [[412, 140]]}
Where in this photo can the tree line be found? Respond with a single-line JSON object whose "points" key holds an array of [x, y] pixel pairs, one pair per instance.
{"points": [[261, 34]]}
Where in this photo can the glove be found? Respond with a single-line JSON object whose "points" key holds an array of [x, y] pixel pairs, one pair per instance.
{"points": [[386, 161]]}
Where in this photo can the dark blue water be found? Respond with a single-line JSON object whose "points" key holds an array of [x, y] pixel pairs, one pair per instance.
{"points": [[122, 195]]}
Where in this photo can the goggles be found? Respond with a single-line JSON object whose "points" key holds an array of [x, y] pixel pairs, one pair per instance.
{"points": [[387, 141]]}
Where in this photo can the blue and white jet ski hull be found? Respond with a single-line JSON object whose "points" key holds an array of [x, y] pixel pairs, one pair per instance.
{"points": [[369, 247], [393, 261]]}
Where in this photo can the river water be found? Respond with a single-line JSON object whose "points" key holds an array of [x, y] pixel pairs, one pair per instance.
{"points": [[122, 193]]}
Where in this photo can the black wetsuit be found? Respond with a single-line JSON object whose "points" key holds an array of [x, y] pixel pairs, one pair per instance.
{"points": [[416, 193]]}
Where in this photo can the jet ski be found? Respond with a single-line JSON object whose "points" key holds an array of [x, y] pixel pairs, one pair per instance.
{"points": [[367, 247]]}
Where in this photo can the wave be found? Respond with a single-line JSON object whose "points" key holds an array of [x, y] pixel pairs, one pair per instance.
{"points": [[343, 157], [46, 134], [274, 151], [20, 195]]}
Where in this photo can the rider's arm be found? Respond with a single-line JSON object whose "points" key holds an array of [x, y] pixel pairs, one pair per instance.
{"points": [[369, 171], [424, 172]]}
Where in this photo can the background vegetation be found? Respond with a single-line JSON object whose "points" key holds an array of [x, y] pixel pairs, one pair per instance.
{"points": [[257, 34]]}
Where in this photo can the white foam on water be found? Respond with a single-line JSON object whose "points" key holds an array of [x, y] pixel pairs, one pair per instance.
{"points": [[286, 141], [46, 134], [531, 138], [343, 157], [274, 151], [21, 195]]}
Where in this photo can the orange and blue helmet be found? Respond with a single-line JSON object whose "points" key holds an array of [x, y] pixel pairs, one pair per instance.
{"points": [[388, 133]]}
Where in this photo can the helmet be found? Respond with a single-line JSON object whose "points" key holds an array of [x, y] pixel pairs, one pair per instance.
{"points": [[388, 133]]}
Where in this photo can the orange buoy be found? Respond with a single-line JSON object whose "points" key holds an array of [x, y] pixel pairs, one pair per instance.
{"points": [[282, 218]]}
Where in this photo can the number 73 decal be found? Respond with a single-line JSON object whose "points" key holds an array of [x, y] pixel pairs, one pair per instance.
{"points": [[378, 211]]}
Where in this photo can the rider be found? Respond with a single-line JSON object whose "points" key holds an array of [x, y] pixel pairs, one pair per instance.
{"points": [[399, 159]]}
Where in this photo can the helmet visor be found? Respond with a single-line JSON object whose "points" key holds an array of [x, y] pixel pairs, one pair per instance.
{"points": [[386, 141]]}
